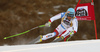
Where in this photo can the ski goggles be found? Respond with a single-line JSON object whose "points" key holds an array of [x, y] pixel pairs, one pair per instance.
{"points": [[70, 15]]}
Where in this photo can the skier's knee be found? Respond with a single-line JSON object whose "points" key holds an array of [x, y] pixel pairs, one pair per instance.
{"points": [[55, 34]]}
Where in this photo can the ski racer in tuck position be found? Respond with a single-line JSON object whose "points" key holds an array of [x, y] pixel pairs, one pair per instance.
{"points": [[68, 27]]}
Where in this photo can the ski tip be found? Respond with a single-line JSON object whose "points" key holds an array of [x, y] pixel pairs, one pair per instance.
{"points": [[5, 38]]}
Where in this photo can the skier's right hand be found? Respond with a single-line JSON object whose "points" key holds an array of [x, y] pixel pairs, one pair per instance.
{"points": [[48, 24]]}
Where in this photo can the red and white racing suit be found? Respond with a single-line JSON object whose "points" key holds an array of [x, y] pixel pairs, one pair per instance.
{"points": [[64, 28]]}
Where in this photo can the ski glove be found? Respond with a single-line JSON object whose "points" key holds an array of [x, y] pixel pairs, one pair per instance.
{"points": [[72, 33], [48, 24]]}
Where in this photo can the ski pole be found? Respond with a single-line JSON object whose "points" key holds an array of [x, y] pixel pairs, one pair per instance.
{"points": [[69, 38], [71, 34], [23, 32]]}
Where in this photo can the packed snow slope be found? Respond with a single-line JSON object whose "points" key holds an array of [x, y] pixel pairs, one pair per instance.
{"points": [[71, 46]]}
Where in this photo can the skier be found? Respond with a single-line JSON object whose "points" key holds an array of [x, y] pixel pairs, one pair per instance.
{"points": [[68, 27]]}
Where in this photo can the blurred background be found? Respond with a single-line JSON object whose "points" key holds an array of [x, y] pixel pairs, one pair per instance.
{"points": [[17, 16]]}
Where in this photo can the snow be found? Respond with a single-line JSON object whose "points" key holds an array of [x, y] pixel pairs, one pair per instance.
{"points": [[57, 6], [71, 46], [56, 10], [41, 13]]}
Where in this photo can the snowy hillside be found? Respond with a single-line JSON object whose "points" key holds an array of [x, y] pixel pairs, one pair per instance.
{"points": [[71, 46]]}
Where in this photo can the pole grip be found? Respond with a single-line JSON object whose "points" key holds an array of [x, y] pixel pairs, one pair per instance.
{"points": [[41, 25]]}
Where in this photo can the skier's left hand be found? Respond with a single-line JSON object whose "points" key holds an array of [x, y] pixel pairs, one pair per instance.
{"points": [[71, 33]]}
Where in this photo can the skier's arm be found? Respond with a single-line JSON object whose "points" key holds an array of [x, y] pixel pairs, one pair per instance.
{"points": [[75, 25], [58, 16]]}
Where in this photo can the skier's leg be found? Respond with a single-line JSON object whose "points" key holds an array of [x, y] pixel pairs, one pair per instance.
{"points": [[56, 32], [64, 35], [50, 35], [45, 37], [59, 38], [61, 31]]}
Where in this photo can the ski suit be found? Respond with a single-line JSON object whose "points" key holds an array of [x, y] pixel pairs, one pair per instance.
{"points": [[64, 28]]}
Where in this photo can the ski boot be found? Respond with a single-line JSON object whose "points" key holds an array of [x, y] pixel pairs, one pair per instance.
{"points": [[37, 40], [58, 39]]}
